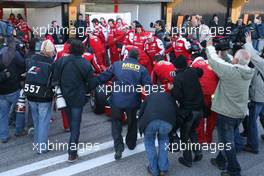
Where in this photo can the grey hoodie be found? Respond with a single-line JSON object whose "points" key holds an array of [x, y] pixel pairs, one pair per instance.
{"points": [[232, 92]]}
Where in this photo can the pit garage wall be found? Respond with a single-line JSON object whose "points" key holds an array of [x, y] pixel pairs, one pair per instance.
{"points": [[145, 13], [38, 17], [206, 8]]}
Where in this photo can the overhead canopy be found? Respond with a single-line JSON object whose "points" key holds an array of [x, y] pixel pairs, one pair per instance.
{"points": [[125, 1], [32, 3]]}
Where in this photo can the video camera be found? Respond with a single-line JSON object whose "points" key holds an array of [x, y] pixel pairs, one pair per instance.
{"points": [[222, 43], [238, 34]]}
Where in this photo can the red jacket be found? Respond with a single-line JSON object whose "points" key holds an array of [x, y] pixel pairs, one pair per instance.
{"points": [[64, 52], [154, 48], [163, 72], [209, 80], [128, 39], [181, 47], [90, 57], [140, 39], [23, 27]]}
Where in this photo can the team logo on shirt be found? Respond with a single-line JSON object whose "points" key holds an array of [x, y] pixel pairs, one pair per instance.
{"points": [[130, 66], [34, 70]]}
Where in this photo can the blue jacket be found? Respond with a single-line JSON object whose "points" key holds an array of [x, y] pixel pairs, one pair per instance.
{"points": [[128, 76]]}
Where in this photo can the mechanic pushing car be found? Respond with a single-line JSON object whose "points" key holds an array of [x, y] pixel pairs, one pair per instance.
{"points": [[128, 77]]}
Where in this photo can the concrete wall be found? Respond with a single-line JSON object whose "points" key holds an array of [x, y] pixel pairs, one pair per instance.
{"points": [[144, 13], [37, 17]]}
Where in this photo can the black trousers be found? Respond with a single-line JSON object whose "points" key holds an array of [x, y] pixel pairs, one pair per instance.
{"points": [[131, 137], [189, 135]]}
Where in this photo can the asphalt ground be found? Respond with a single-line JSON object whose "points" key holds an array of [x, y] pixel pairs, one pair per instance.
{"points": [[18, 158]]}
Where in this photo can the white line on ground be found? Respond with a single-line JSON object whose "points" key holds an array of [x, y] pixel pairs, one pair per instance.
{"points": [[93, 163], [53, 161]]}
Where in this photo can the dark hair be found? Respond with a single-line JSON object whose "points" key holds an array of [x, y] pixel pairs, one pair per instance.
{"points": [[76, 47], [180, 62], [11, 14], [133, 53], [52, 22], [214, 15], [19, 16], [111, 20], [161, 23], [158, 58], [95, 20], [79, 14], [119, 19], [186, 17], [138, 25]]}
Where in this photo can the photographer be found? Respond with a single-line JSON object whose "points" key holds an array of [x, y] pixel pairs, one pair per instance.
{"points": [[12, 65], [230, 103], [160, 30], [72, 73]]}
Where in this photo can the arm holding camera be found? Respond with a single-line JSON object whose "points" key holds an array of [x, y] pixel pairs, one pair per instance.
{"points": [[257, 61], [219, 65]]}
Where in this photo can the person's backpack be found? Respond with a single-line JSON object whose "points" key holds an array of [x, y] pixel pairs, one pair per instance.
{"points": [[38, 79]]}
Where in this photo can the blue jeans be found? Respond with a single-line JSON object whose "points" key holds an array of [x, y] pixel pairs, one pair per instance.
{"points": [[75, 118], [158, 162], [226, 129], [239, 141], [41, 114], [252, 135], [6, 101]]}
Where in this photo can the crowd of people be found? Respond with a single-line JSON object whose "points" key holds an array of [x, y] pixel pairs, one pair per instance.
{"points": [[198, 88]]}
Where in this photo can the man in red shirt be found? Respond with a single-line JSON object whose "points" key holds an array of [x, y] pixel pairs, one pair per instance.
{"points": [[208, 82], [163, 72], [89, 56], [153, 46], [96, 41], [114, 53], [24, 28], [140, 37], [181, 47], [12, 19]]}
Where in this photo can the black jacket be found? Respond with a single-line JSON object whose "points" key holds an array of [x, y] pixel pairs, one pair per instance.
{"points": [[157, 106], [47, 60], [16, 66], [72, 74], [187, 90]]}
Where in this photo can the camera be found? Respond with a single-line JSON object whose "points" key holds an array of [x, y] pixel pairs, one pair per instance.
{"points": [[161, 23], [60, 101], [222, 43]]}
